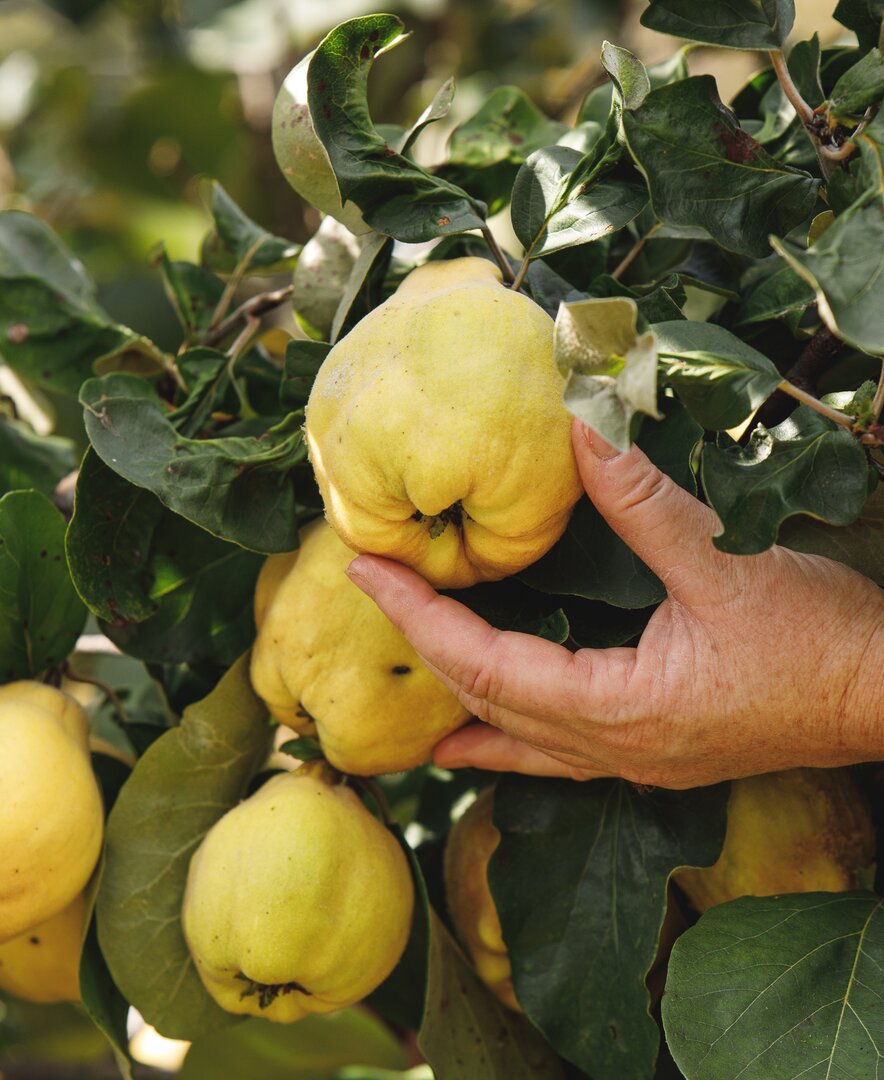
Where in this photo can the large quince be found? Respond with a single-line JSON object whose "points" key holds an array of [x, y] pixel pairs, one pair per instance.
{"points": [[297, 901], [802, 830], [470, 845], [51, 819], [43, 963], [325, 653], [437, 431]]}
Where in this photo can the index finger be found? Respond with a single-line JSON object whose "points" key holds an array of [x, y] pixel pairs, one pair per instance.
{"points": [[517, 672]]}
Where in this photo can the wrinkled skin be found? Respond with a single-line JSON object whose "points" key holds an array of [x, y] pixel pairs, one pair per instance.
{"points": [[51, 820], [298, 900], [411, 424], [43, 963], [325, 654], [471, 844], [803, 830]]}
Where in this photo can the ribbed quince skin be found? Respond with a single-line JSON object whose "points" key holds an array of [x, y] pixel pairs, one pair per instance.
{"points": [[326, 653], [297, 901], [51, 819], [802, 830], [43, 963], [437, 431], [470, 845]]}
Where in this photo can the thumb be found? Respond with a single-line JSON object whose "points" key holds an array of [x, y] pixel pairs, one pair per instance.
{"points": [[665, 525]]}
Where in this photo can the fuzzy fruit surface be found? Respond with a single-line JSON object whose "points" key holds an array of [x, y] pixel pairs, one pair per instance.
{"points": [[802, 830], [437, 431], [326, 653], [298, 900], [43, 963], [471, 844], [51, 817]]}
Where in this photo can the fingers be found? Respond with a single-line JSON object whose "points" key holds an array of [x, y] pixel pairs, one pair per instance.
{"points": [[484, 747], [663, 524], [492, 670]]}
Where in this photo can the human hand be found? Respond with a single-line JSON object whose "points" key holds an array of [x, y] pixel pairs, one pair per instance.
{"points": [[752, 663]]}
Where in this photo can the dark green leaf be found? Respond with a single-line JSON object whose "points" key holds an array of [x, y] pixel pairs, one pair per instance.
{"points": [[237, 488], [509, 605], [803, 975], [52, 330], [104, 1003], [610, 370], [182, 785], [169, 592], [858, 87], [246, 242], [598, 103], [314, 1048], [192, 291], [366, 275], [549, 214], [302, 360], [591, 560], [845, 267], [579, 880], [207, 374], [704, 171], [28, 460], [41, 615], [438, 109], [857, 545], [733, 24], [772, 289], [507, 128], [396, 197], [863, 17], [806, 465], [720, 378]]}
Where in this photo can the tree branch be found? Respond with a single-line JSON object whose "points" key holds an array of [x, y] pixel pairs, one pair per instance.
{"points": [[254, 307]]}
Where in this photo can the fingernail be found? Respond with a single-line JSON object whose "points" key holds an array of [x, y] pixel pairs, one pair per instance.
{"points": [[356, 573], [599, 446]]}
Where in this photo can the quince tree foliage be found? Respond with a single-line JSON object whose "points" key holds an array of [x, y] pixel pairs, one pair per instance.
{"points": [[702, 277]]}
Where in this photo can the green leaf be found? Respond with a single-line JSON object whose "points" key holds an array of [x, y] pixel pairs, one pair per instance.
{"points": [[590, 560], [302, 361], [41, 615], [705, 172], [396, 196], [610, 370], [52, 330], [510, 605], [628, 74], [372, 262], [168, 592], [732, 24], [182, 785], [237, 488], [772, 289], [863, 17], [858, 545], [803, 976], [247, 244], [550, 214], [806, 465], [858, 87], [507, 128], [193, 292], [438, 109], [579, 880], [720, 378], [104, 1003], [314, 1048], [28, 460], [845, 267]]}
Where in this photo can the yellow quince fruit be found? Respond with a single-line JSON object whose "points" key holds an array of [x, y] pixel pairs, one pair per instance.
{"points": [[802, 830], [470, 845], [325, 653], [43, 963], [51, 821], [297, 901], [437, 431]]}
